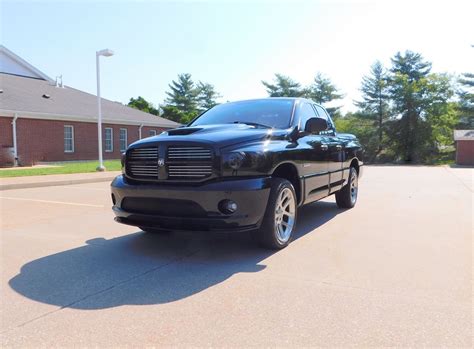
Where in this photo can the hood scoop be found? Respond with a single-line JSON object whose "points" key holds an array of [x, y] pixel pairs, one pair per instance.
{"points": [[183, 131]]}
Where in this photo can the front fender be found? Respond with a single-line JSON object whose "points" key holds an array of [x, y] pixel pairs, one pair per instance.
{"points": [[262, 158]]}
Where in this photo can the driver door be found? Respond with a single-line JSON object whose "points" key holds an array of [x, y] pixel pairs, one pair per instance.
{"points": [[335, 152], [314, 158]]}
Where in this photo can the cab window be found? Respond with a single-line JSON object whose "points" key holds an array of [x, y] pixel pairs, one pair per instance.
{"points": [[305, 112], [323, 114]]}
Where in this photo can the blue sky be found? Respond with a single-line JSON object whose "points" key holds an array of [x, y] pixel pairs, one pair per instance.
{"points": [[232, 44]]}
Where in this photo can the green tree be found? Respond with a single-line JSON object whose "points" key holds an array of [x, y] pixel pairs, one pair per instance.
{"points": [[360, 125], [375, 101], [466, 101], [142, 104], [408, 86], [323, 91], [171, 112], [207, 96], [283, 86], [181, 105], [423, 113], [441, 114]]}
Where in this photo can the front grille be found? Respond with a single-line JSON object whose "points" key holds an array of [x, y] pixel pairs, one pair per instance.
{"points": [[182, 162]]}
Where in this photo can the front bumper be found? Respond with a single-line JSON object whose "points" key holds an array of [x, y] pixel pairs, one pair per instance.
{"points": [[191, 207]]}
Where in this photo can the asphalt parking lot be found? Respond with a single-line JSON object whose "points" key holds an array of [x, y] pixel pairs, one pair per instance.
{"points": [[395, 270]]}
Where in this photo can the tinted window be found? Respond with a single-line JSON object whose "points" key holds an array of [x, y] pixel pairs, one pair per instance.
{"points": [[305, 112], [269, 112], [323, 114]]}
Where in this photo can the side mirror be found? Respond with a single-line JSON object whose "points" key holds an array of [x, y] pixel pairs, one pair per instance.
{"points": [[315, 125]]}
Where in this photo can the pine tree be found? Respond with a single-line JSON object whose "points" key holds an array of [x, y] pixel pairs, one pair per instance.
{"points": [[283, 86], [466, 101], [375, 103], [408, 89], [182, 101], [207, 96], [323, 91]]}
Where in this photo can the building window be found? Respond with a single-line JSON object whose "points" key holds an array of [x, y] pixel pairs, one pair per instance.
{"points": [[123, 139], [152, 133], [68, 139], [109, 139]]}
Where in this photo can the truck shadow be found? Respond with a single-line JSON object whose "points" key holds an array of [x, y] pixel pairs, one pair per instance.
{"points": [[140, 269]]}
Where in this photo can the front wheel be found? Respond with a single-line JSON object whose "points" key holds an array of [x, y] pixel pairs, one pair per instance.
{"points": [[347, 196], [279, 221]]}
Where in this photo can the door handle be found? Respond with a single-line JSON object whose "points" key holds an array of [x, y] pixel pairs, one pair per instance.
{"points": [[324, 147]]}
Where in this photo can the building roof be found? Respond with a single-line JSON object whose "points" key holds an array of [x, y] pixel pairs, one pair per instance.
{"points": [[13, 64], [464, 135], [42, 99]]}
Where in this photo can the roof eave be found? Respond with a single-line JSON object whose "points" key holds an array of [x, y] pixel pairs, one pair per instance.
{"points": [[77, 118]]}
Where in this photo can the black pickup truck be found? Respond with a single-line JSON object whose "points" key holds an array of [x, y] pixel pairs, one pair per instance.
{"points": [[240, 166]]}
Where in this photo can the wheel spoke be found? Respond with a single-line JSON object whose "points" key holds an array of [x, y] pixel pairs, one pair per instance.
{"points": [[285, 215], [353, 187]]}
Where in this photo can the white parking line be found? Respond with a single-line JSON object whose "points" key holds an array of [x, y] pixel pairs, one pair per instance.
{"points": [[85, 188], [52, 202]]}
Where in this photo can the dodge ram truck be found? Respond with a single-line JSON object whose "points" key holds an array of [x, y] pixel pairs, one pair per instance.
{"points": [[240, 166]]}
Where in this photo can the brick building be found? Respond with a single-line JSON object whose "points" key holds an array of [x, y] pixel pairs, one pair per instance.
{"points": [[464, 147], [42, 120]]}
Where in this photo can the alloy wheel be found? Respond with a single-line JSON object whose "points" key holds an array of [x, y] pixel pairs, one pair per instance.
{"points": [[354, 185], [285, 212]]}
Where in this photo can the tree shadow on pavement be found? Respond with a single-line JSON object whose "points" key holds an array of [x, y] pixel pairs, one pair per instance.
{"points": [[142, 268]]}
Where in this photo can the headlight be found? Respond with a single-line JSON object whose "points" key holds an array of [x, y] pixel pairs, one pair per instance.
{"points": [[233, 160], [242, 161]]}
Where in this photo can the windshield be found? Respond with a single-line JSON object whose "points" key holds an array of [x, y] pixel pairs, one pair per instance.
{"points": [[274, 113]]}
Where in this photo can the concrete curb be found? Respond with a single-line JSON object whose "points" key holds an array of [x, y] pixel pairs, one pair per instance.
{"points": [[55, 183]]}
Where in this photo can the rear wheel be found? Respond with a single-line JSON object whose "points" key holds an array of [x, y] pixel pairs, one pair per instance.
{"points": [[347, 196], [279, 221]]}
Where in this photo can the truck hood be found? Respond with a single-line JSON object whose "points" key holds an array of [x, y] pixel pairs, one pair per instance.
{"points": [[221, 135]]}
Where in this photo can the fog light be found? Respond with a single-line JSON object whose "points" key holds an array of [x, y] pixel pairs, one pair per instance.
{"points": [[227, 206], [113, 199]]}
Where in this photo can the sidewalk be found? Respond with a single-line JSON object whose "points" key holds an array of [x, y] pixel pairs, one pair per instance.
{"points": [[53, 180]]}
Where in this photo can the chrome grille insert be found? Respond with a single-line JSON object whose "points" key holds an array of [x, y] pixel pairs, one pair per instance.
{"points": [[195, 171], [189, 153], [193, 162], [143, 163]]}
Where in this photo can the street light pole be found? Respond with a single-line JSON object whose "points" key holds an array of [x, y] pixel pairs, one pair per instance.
{"points": [[105, 53]]}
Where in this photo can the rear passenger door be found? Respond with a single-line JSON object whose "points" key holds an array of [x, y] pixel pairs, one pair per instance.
{"points": [[335, 151]]}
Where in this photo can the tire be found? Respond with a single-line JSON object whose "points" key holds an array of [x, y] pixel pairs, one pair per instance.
{"points": [[154, 230], [278, 224], [347, 196]]}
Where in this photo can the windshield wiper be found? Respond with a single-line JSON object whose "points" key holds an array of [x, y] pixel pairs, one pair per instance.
{"points": [[251, 124]]}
